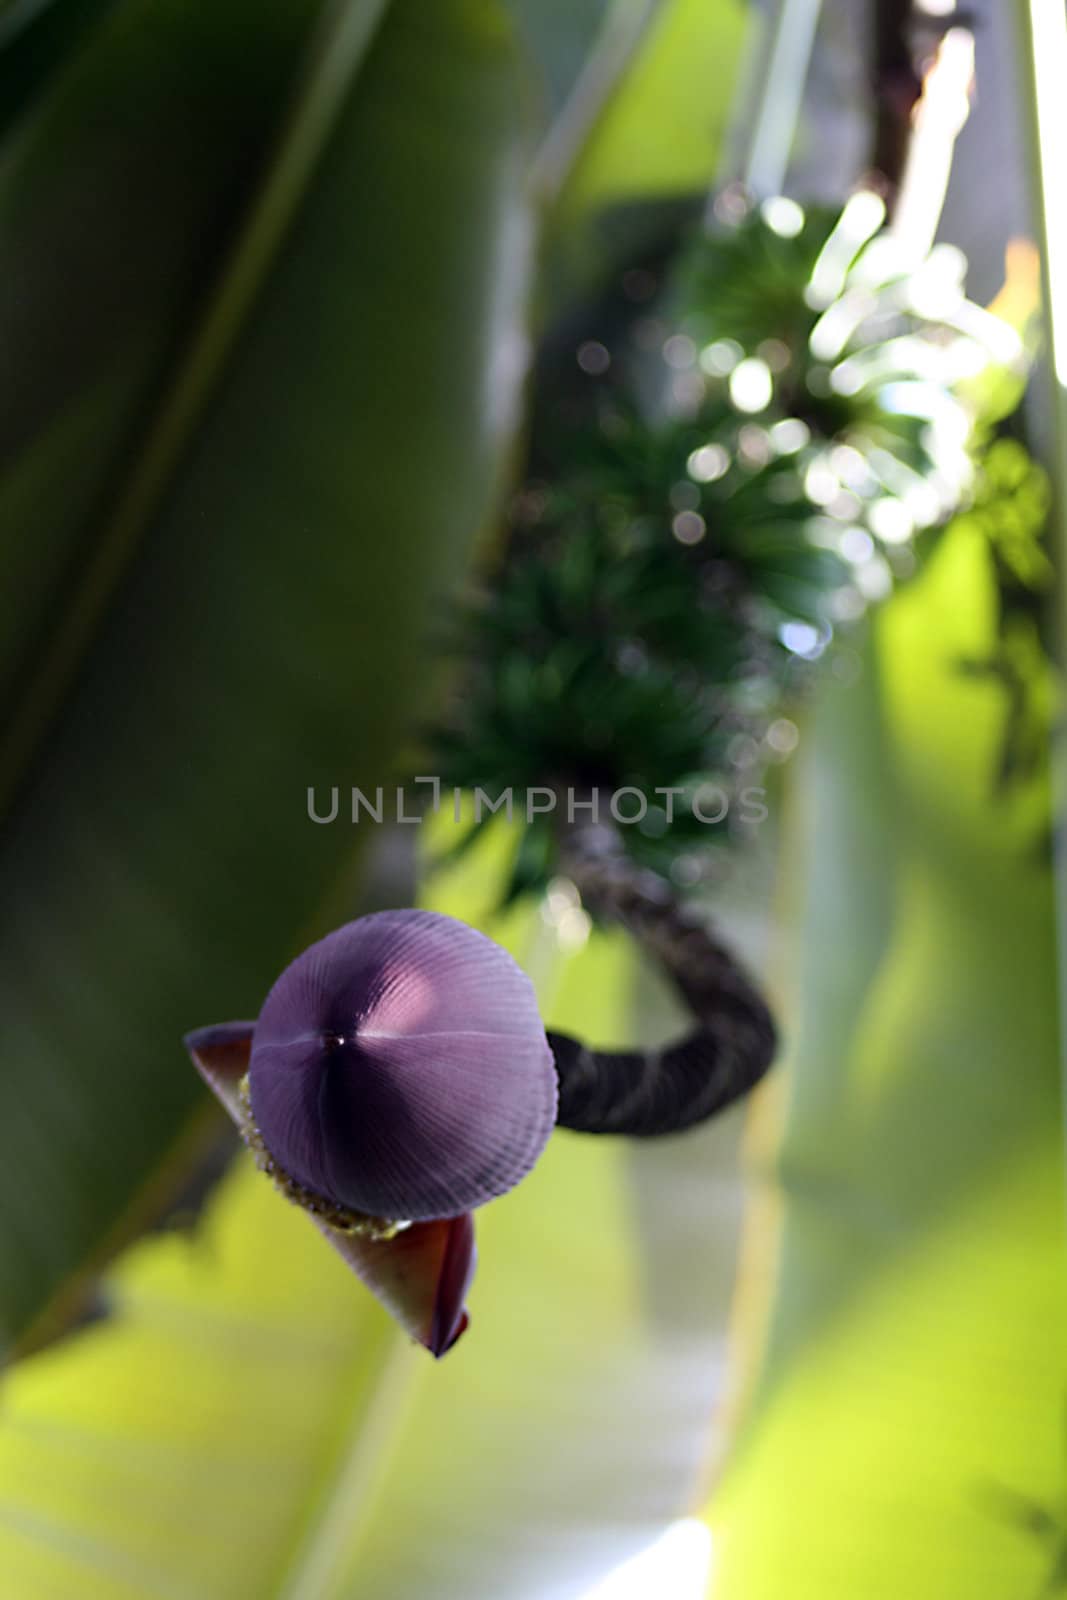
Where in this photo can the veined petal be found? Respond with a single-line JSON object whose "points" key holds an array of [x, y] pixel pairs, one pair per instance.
{"points": [[421, 1275], [221, 1055]]}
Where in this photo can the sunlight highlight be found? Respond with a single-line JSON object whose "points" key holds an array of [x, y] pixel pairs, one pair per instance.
{"points": [[939, 119], [676, 1567]]}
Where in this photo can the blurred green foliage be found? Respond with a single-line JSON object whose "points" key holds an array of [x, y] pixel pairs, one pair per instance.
{"points": [[258, 360], [911, 1373]]}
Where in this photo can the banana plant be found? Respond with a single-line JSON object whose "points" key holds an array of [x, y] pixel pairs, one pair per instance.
{"points": [[356, 390], [315, 1452], [306, 365]]}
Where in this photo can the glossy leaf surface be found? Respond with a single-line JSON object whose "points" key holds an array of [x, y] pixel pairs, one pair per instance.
{"points": [[285, 276]]}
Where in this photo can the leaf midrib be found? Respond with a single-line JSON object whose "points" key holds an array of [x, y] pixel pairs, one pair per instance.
{"points": [[341, 1507]]}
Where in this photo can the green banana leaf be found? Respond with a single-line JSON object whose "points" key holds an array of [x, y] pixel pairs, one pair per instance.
{"points": [[265, 279], [905, 1431], [662, 130], [559, 35], [646, 148], [247, 1423]]}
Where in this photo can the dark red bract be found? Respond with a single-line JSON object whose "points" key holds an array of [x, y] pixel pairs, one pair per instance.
{"points": [[400, 1068]]}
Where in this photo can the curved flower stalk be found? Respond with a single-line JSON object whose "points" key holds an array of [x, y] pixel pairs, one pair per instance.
{"points": [[398, 1076], [645, 1093]]}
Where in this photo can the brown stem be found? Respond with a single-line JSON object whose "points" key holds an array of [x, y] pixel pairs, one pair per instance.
{"points": [[897, 85], [652, 1092]]}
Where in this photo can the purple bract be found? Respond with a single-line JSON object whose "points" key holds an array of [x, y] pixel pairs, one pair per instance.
{"points": [[400, 1069]]}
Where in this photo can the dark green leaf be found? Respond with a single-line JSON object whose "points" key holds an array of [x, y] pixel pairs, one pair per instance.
{"points": [[268, 307]]}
